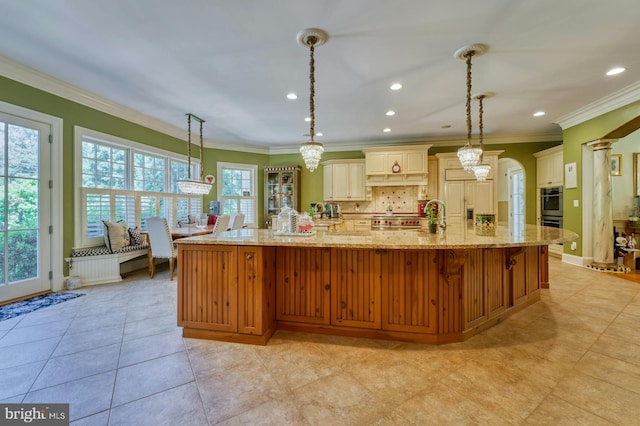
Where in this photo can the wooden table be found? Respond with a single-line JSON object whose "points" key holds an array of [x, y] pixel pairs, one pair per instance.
{"points": [[190, 231]]}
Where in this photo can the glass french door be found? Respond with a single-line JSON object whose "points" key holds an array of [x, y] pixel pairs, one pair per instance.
{"points": [[25, 207]]}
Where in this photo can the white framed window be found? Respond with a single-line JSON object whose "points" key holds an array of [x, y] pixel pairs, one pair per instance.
{"points": [[118, 179], [237, 191]]}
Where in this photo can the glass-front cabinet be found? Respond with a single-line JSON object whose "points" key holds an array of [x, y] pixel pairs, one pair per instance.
{"points": [[281, 188]]}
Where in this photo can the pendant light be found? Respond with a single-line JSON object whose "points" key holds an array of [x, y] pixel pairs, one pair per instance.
{"points": [[468, 155], [193, 186], [311, 151], [481, 171]]}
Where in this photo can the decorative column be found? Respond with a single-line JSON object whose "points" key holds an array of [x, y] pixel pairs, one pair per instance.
{"points": [[602, 210]]}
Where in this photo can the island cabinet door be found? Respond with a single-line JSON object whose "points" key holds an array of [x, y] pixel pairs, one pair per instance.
{"points": [[355, 288], [303, 285], [474, 290], [485, 291], [496, 281], [525, 275], [256, 289], [208, 287], [409, 290]]}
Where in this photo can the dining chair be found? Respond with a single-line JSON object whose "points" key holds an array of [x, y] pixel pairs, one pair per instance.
{"points": [[222, 224], [238, 221], [160, 244]]}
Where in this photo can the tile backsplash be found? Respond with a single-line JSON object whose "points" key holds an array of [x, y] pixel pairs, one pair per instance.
{"points": [[401, 199]]}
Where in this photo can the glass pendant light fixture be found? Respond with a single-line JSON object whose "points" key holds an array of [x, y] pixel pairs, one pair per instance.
{"points": [[193, 186], [311, 151], [468, 155], [481, 170]]}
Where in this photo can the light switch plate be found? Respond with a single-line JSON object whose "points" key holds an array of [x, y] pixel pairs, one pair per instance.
{"points": [[576, 203]]}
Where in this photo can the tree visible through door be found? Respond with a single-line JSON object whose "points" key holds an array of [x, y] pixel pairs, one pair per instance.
{"points": [[24, 212]]}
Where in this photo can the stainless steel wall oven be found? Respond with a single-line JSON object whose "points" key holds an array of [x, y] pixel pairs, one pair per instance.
{"points": [[551, 201]]}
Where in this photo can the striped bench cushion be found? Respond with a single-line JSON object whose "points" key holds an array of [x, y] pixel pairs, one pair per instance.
{"points": [[101, 250]]}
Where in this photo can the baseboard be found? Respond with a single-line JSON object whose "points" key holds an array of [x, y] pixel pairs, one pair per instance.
{"points": [[575, 260]]}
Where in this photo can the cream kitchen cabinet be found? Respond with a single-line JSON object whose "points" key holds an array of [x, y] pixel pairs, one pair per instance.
{"points": [[465, 199], [343, 180], [397, 165], [479, 197], [549, 167], [463, 195]]}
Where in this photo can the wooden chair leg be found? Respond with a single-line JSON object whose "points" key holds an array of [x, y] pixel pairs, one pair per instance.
{"points": [[150, 261], [171, 268]]}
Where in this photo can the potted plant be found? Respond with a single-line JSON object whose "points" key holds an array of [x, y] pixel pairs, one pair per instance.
{"points": [[432, 217]]}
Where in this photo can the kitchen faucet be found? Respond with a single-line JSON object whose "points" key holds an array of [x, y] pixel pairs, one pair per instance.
{"points": [[442, 223]]}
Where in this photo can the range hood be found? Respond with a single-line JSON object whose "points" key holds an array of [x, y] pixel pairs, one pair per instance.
{"points": [[397, 165]]}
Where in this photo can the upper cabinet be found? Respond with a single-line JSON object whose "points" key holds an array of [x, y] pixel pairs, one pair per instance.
{"points": [[343, 180], [397, 165], [550, 167]]}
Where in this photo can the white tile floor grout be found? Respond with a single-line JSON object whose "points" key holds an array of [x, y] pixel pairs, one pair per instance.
{"points": [[117, 356]]}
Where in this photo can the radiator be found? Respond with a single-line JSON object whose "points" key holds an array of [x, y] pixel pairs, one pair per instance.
{"points": [[94, 270]]}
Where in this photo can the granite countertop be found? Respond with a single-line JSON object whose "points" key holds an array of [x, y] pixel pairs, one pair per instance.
{"points": [[461, 237]]}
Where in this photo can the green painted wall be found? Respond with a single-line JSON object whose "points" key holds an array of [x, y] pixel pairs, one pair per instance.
{"points": [[311, 190], [74, 114], [574, 137]]}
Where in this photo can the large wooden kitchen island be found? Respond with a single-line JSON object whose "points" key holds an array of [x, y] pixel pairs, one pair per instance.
{"points": [[409, 285]]}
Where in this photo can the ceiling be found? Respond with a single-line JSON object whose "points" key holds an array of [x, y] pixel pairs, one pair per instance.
{"points": [[233, 63]]}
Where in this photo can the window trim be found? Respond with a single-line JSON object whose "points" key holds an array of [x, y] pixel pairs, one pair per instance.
{"points": [[253, 168], [80, 133]]}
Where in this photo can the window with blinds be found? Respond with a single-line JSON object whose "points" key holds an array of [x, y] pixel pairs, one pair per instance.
{"points": [[120, 180], [237, 190]]}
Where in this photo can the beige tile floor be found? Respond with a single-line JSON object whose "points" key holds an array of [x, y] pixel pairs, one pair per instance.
{"points": [[118, 358]]}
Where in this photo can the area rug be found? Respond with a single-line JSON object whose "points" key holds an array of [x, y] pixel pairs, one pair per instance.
{"points": [[25, 306]]}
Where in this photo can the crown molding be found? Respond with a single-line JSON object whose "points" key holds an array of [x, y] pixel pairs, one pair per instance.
{"points": [[47, 83], [435, 142], [604, 105]]}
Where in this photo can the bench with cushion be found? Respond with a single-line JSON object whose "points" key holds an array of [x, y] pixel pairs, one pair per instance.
{"points": [[101, 264]]}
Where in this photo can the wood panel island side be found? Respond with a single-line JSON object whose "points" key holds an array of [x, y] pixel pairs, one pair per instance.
{"points": [[243, 285]]}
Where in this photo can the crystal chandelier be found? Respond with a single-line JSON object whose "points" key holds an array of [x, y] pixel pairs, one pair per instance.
{"points": [[188, 185], [311, 151], [468, 155], [481, 171]]}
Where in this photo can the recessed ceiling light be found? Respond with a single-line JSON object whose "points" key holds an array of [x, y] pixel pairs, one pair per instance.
{"points": [[319, 134], [307, 119], [616, 70], [390, 113], [538, 113], [395, 86], [386, 130], [292, 96]]}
